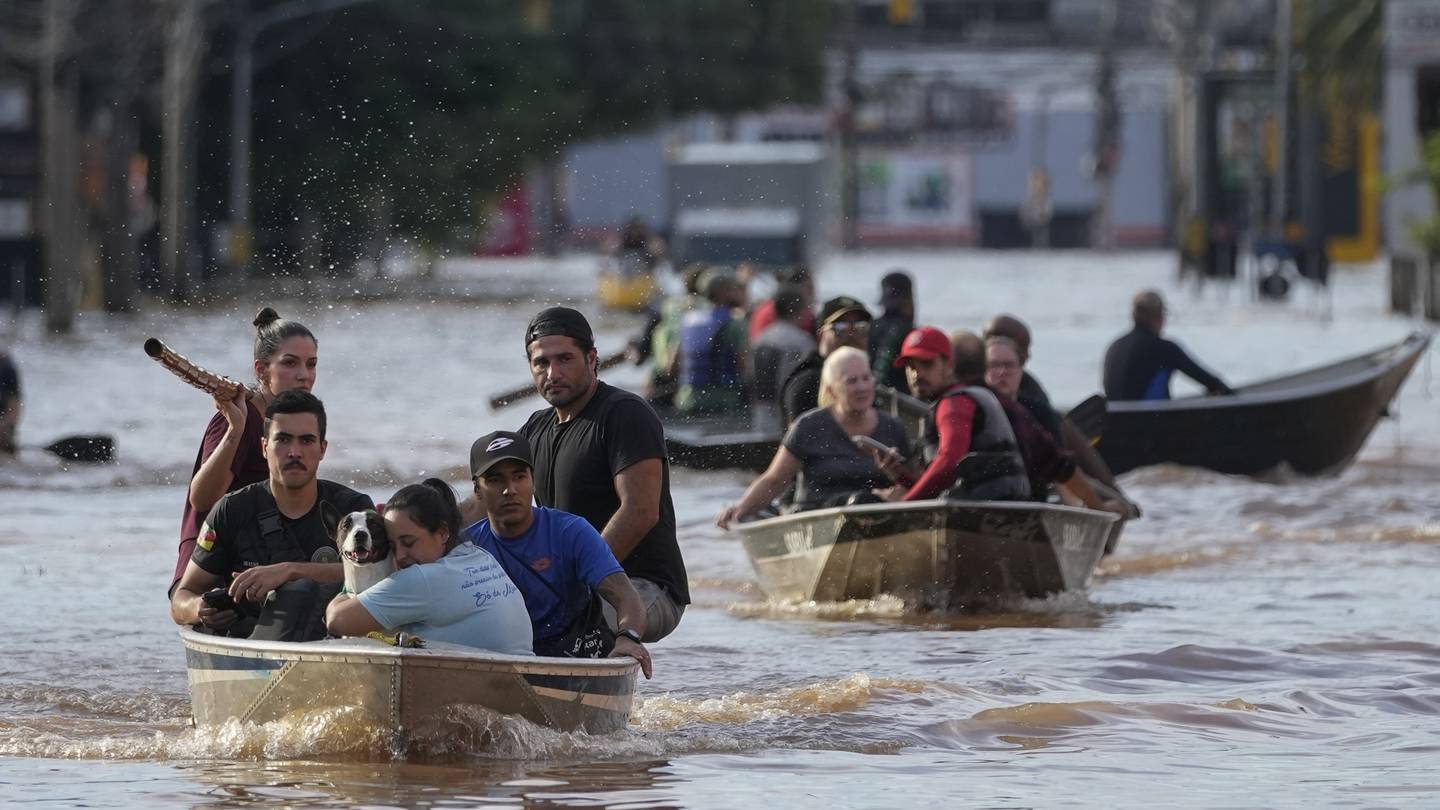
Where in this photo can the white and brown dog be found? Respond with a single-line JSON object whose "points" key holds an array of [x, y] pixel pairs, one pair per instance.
{"points": [[364, 547]]}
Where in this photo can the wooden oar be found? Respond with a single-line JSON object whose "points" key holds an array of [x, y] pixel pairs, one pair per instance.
{"points": [[522, 392], [90, 449]]}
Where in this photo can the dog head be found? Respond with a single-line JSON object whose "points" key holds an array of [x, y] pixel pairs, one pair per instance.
{"points": [[361, 538]]}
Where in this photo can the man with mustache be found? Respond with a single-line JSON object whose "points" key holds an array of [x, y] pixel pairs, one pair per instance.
{"points": [[599, 453], [559, 562], [259, 538]]}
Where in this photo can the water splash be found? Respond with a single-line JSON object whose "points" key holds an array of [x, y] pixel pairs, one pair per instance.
{"points": [[822, 697]]}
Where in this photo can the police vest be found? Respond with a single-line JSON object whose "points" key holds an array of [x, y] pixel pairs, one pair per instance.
{"points": [[994, 469]]}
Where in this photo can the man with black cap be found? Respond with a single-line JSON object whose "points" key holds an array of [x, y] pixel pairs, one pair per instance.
{"points": [[897, 296], [600, 454], [557, 560], [843, 322]]}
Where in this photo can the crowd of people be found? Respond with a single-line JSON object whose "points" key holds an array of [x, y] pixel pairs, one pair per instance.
{"points": [[567, 543]]}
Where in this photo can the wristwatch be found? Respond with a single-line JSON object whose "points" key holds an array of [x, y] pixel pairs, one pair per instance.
{"points": [[630, 634]]}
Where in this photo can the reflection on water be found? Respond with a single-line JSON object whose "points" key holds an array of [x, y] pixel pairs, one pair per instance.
{"points": [[1243, 635]]}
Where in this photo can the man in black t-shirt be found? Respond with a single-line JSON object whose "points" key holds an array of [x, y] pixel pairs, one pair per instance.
{"points": [[600, 454], [260, 537]]}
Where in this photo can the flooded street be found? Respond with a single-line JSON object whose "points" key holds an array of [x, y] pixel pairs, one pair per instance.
{"points": [[1251, 643]]}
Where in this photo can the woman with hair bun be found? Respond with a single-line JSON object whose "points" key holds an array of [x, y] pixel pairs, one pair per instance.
{"points": [[446, 589], [230, 455]]}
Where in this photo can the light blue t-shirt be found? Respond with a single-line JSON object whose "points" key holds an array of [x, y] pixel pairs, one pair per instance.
{"points": [[562, 549], [464, 597]]}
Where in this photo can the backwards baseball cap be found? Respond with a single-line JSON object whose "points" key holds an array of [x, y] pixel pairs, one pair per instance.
{"points": [[562, 321], [838, 307], [925, 343], [493, 448]]}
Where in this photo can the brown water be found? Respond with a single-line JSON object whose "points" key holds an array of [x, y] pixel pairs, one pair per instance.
{"points": [[1252, 643]]}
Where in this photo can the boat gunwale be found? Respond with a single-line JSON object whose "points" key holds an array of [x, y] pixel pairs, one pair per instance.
{"points": [[1405, 352], [350, 651], [934, 503]]}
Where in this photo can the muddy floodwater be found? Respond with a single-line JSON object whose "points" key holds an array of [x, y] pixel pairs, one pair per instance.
{"points": [[1268, 643]]}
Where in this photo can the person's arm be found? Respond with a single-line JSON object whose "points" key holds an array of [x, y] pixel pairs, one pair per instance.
{"points": [[953, 420], [639, 488], [1090, 461], [1182, 362], [617, 590], [346, 616], [188, 608], [254, 584], [216, 473], [782, 470]]}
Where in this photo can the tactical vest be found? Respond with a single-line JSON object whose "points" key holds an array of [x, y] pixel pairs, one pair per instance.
{"points": [[994, 469]]}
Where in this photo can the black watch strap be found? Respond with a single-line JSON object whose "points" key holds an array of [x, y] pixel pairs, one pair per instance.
{"points": [[630, 634]]}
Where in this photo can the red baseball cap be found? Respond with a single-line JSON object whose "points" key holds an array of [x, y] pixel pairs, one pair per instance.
{"points": [[925, 343]]}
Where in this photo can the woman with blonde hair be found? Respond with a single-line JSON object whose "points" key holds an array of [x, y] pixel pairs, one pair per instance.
{"points": [[822, 447]]}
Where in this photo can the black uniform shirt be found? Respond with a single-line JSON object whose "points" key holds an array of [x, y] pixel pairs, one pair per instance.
{"points": [[575, 467]]}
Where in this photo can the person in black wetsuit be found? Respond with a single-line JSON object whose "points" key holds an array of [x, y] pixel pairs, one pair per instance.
{"points": [[1138, 365]]}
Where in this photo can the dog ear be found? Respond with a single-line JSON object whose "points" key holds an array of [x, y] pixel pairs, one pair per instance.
{"points": [[329, 518]]}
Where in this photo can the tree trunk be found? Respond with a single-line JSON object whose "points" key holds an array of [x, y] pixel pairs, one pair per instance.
{"points": [[59, 98], [184, 45]]}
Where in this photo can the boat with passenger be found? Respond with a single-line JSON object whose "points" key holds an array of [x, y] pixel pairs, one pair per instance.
{"points": [[1312, 422], [947, 555], [402, 689]]}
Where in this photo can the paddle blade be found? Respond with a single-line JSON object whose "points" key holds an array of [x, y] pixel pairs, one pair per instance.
{"points": [[90, 449], [1089, 416]]}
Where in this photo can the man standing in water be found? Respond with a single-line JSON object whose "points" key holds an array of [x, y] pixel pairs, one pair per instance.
{"points": [[600, 454], [270, 533], [1138, 365]]}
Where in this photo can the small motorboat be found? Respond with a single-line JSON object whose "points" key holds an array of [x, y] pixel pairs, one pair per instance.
{"points": [[402, 689], [628, 282], [934, 555], [1313, 422]]}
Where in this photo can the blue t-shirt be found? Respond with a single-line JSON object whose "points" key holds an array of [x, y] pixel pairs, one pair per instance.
{"points": [[562, 549], [464, 597]]}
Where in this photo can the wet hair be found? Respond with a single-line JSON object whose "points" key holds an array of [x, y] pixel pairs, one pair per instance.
{"points": [[789, 302], [430, 504], [296, 401], [830, 372], [1009, 326], [271, 331], [967, 352]]}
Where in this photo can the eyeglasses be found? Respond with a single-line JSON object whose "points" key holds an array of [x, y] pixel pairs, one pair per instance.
{"points": [[846, 327], [1003, 365]]}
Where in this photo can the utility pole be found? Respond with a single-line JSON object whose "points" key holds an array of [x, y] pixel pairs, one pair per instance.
{"points": [[849, 149], [1107, 132], [1280, 190], [184, 45]]}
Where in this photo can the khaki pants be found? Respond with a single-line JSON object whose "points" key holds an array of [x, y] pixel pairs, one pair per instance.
{"points": [[662, 615]]}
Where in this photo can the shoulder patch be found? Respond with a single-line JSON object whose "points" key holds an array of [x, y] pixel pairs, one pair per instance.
{"points": [[206, 540]]}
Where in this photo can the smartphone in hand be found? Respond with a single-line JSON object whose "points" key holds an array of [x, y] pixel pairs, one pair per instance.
{"points": [[218, 599], [865, 442]]}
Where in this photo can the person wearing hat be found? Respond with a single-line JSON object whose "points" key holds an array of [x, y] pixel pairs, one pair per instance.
{"points": [[600, 454], [1139, 364], [968, 438], [713, 355], [897, 297], [843, 321], [443, 588], [557, 560]]}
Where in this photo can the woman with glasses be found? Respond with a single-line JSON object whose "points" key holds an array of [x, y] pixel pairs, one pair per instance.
{"points": [[822, 449]]}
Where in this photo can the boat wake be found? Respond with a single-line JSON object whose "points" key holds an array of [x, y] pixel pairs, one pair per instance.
{"points": [[666, 713]]}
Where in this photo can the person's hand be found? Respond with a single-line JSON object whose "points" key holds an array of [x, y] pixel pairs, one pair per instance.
{"points": [[889, 461], [893, 494], [254, 584], [234, 411], [727, 515], [626, 646], [210, 617]]}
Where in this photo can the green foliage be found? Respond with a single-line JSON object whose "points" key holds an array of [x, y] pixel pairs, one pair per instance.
{"points": [[427, 110], [1426, 232], [1341, 43]]}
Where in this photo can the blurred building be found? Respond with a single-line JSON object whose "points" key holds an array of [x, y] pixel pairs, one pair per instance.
{"points": [[1412, 113], [980, 124]]}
